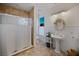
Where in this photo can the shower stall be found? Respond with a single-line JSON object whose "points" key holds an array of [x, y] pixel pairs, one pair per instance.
{"points": [[15, 34]]}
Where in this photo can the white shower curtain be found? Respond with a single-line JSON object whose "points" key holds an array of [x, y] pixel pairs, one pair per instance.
{"points": [[15, 33]]}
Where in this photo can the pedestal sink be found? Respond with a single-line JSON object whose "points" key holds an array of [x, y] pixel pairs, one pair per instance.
{"points": [[57, 39]]}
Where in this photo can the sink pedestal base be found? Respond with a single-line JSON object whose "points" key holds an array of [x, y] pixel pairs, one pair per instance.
{"points": [[57, 46], [57, 51]]}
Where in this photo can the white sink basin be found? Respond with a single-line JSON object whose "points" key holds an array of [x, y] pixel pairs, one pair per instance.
{"points": [[57, 39], [57, 36]]}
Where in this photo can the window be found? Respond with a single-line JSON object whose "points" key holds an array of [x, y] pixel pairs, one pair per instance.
{"points": [[41, 26], [22, 22]]}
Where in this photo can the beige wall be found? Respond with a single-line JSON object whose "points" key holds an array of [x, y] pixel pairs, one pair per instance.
{"points": [[71, 17]]}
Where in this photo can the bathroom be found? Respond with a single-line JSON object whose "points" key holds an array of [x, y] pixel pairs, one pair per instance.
{"points": [[24, 29], [69, 14]]}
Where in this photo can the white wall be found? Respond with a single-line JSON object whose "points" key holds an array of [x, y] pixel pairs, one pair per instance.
{"points": [[48, 9], [41, 10], [72, 20], [71, 30]]}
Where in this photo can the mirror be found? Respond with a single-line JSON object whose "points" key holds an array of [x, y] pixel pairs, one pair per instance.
{"points": [[59, 23]]}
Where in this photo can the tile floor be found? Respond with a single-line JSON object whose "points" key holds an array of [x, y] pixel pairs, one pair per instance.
{"points": [[39, 50]]}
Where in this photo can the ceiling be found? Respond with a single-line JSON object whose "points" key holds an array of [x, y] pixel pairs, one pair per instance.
{"points": [[54, 7], [21, 6], [43, 7]]}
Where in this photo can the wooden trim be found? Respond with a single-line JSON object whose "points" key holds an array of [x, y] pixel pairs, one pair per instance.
{"points": [[13, 11], [18, 52], [31, 15]]}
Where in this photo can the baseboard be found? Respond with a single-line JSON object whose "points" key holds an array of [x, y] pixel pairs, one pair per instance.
{"points": [[20, 51]]}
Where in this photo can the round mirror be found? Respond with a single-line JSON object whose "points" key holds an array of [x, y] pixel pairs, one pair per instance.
{"points": [[59, 23]]}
